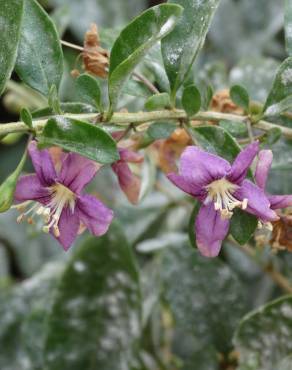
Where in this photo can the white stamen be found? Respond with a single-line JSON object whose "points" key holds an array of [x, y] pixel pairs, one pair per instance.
{"points": [[61, 197], [221, 193]]}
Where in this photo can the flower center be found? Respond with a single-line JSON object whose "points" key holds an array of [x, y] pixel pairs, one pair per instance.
{"points": [[61, 197], [221, 193]]}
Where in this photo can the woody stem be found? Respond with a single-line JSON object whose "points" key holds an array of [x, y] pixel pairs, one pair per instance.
{"points": [[138, 118]]}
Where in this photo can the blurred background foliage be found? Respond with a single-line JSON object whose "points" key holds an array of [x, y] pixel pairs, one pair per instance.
{"points": [[147, 300]]}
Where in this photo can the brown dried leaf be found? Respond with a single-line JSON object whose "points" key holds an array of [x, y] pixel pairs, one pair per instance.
{"points": [[282, 233]]}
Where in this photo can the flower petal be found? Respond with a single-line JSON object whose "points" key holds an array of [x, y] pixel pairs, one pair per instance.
{"points": [[130, 156], [185, 185], [43, 164], [77, 172], [201, 168], [94, 214], [258, 203], [129, 183], [263, 167], [29, 187], [280, 201], [242, 163], [68, 226], [211, 230]]}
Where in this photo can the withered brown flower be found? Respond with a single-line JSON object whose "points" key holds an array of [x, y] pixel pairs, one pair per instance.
{"points": [[95, 58], [221, 102], [282, 233]]}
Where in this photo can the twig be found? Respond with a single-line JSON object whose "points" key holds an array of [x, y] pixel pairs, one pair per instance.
{"points": [[146, 82]]}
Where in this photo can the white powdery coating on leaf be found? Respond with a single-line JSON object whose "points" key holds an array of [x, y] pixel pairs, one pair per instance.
{"points": [[286, 77]]}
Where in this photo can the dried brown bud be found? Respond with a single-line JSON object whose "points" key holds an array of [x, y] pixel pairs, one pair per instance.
{"points": [[221, 102], [75, 73], [282, 233], [95, 58]]}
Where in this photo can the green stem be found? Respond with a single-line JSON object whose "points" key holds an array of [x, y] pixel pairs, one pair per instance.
{"points": [[123, 119]]}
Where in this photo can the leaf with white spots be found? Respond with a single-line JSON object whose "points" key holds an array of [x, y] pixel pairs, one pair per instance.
{"points": [[181, 47], [95, 320], [282, 86], [264, 336], [288, 26], [10, 21]]}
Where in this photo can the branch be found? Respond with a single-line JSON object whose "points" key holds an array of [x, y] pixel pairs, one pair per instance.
{"points": [[136, 119]]}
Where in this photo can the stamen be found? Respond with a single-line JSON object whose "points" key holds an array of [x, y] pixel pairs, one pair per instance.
{"points": [[221, 193]]}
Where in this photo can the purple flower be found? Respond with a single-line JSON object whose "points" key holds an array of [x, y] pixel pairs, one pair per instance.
{"points": [[55, 194], [221, 188], [129, 182], [261, 175]]}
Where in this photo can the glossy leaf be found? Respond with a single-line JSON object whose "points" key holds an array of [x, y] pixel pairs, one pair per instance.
{"points": [[218, 141], [80, 137], [11, 15], [240, 96], [278, 108], [282, 85], [158, 101], [98, 303], [135, 41], [53, 100], [288, 26], [195, 298], [23, 313], [40, 60], [7, 188], [238, 129], [181, 47], [264, 336], [191, 100], [88, 90], [161, 130], [26, 117], [73, 107]]}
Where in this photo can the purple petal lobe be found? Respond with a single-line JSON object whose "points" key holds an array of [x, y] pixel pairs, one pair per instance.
{"points": [[129, 183], [185, 185], [77, 172], [94, 214], [43, 164], [29, 187], [201, 168], [280, 201], [258, 203], [242, 163], [68, 226], [211, 230], [263, 167], [130, 156]]}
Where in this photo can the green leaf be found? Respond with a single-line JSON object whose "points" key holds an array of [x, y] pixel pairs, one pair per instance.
{"points": [[40, 59], [98, 303], [285, 364], [26, 117], [23, 313], [181, 47], [282, 85], [288, 26], [218, 141], [238, 129], [271, 137], [195, 298], [158, 101], [191, 228], [161, 130], [264, 336], [88, 91], [278, 108], [135, 41], [7, 188], [72, 107], [191, 100], [242, 226], [80, 137], [240, 96], [53, 100], [10, 14]]}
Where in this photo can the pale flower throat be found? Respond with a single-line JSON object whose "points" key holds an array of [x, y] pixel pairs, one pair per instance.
{"points": [[221, 193], [61, 197]]}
